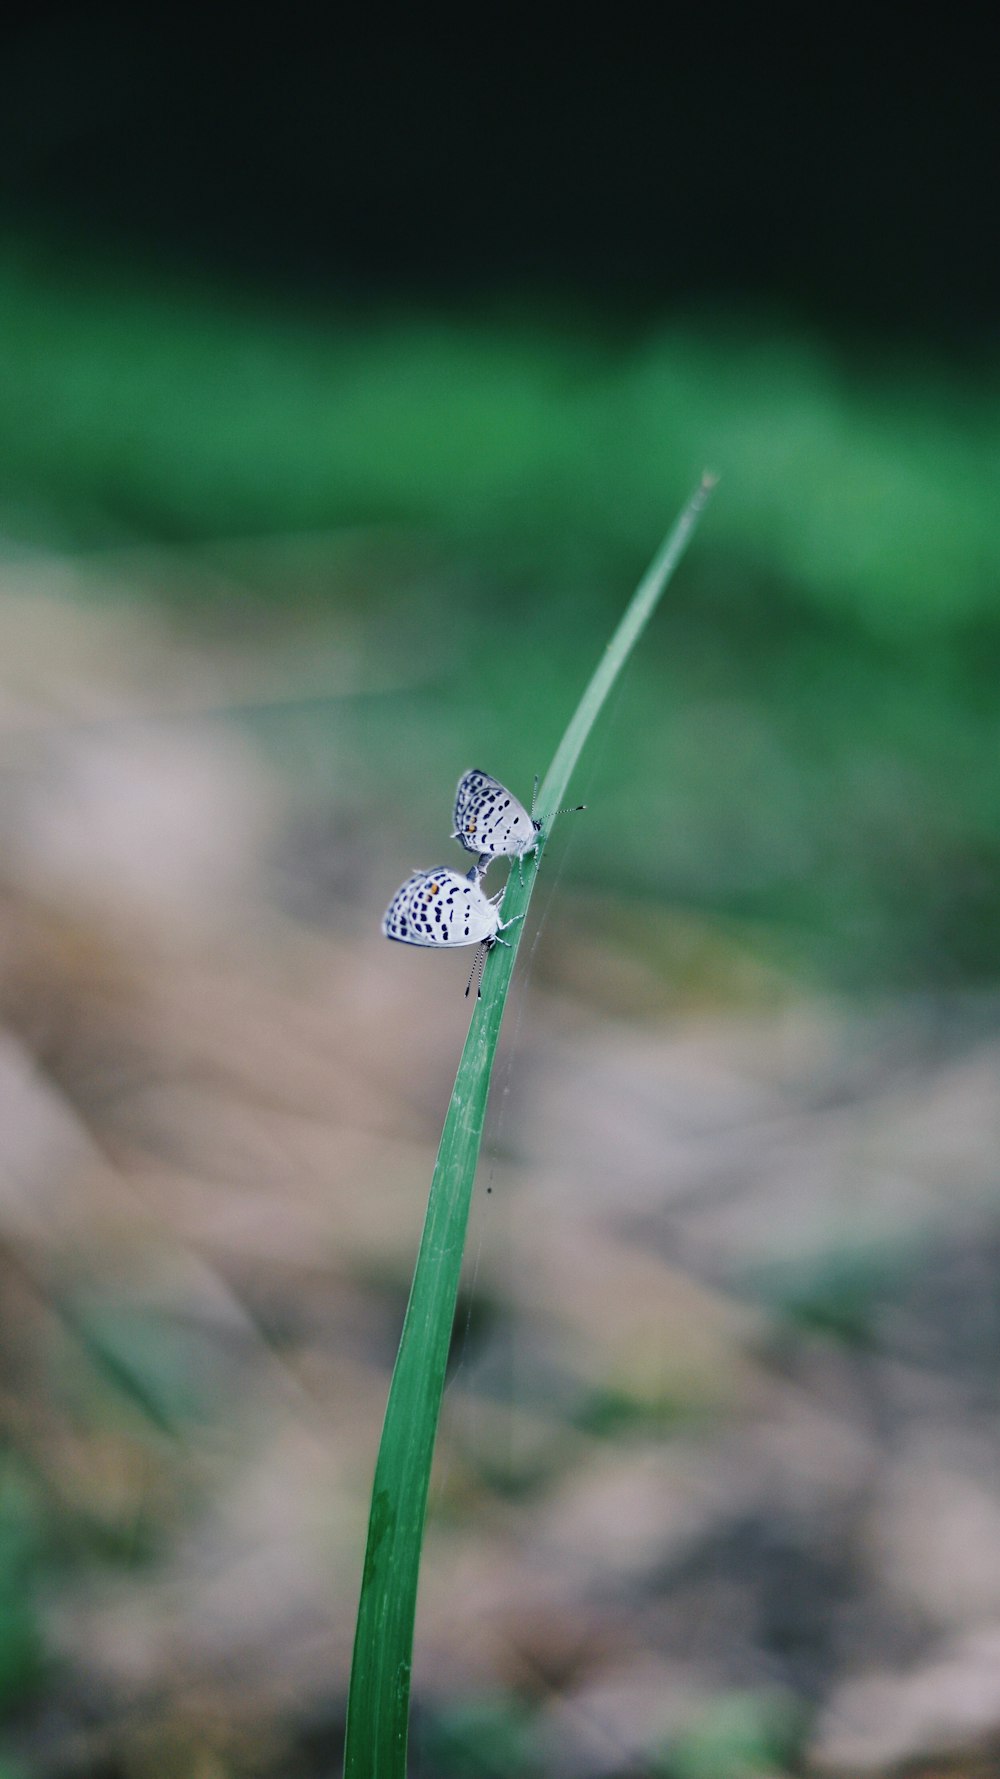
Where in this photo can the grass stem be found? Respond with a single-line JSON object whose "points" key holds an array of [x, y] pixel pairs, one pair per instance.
{"points": [[378, 1703]]}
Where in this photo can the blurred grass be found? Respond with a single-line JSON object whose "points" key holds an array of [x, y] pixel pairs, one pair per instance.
{"points": [[819, 708], [482, 1738], [185, 414], [740, 1736], [21, 1653]]}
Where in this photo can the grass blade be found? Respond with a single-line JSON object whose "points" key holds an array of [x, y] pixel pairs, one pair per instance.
{"points": [[378, 1704]]}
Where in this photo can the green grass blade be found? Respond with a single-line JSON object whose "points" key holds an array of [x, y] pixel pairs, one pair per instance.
{"points": [[378, 1704], [637, 615]]}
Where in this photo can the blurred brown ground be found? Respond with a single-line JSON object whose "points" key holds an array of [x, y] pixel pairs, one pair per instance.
{"points": [[722, 1423]]}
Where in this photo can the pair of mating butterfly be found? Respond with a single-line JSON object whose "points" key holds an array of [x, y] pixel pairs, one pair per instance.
{"points": [[444, 908]]}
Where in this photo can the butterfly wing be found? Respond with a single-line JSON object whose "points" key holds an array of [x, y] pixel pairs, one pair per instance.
{"points": [[439, 908], [489, 818]]}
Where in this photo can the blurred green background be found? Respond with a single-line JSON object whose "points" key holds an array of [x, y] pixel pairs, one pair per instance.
{"points": [[815, 710], [348, 381]]}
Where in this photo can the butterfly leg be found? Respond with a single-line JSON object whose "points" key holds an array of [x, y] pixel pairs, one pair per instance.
{"points": [[508, 923], [488, 945]]}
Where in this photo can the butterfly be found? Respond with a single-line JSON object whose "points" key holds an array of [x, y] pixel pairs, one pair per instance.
{"points": [[491, 822], [444, 908]]}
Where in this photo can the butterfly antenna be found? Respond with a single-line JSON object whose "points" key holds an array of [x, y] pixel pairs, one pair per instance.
{"points": [[571, 809]]}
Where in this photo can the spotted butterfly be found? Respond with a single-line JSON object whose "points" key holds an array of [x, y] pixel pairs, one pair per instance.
{"points": [[490, 821], [444, 908]]}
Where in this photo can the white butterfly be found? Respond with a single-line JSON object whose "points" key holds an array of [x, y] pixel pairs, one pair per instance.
{"points": [[444, 908], [490, 821]]}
